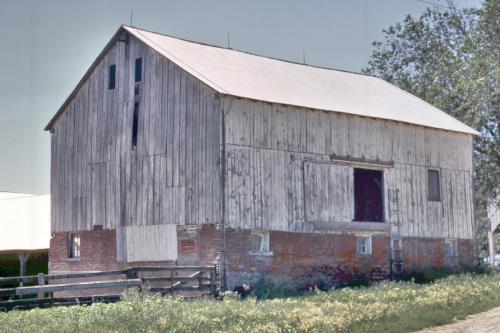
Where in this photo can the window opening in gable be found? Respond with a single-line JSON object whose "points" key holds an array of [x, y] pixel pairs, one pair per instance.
{"points": [[138, 70], [135, 125], [112, 77]]}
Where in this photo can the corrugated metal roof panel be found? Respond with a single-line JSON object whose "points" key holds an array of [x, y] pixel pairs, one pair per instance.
{"points": [[255, 77]]}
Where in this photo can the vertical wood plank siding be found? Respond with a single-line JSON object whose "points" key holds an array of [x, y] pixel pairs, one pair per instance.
{"points": [[147, 242], [268, 147], [280, 169], [172, 177]]}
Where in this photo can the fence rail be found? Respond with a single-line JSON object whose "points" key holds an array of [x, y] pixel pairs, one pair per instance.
{"points": [[164, 280]]}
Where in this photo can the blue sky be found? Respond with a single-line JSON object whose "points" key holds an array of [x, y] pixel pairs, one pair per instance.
{"points": [[46, 46]]}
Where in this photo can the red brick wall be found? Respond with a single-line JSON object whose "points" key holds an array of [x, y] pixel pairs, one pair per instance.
{"points": [[467, 255], [299, 254], [293, 254], [97, 252], [207, 241], [423, 253], [428, 253]]}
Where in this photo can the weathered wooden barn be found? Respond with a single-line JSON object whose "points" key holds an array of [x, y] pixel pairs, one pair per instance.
{"points": [[176, 152]]}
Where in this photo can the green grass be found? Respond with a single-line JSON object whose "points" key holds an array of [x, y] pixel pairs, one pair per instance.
{"points": [[387, 307]]}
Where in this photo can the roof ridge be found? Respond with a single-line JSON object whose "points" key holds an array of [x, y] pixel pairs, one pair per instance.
{"points": [[248, 52], [220, 89]]}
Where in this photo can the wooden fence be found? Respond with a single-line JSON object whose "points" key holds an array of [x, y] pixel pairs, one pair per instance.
{"points": [[38, 290]]}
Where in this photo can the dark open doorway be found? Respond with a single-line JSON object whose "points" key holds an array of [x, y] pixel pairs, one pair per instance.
{"points": [[368, 195]]}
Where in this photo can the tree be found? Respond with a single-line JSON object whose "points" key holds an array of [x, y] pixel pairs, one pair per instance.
{"points": [[451, 59]]}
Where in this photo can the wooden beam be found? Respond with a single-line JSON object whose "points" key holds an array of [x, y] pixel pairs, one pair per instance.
{"points": [[82, 275], [176, 278], [352, 226], [491, 245], [23, 258], [7, 291], [174, 268], [78, 286], [41, 282]]}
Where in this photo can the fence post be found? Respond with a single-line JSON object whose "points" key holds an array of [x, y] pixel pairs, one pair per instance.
{"points": [[41, 282], [212, 280], [200, 284], [23, 258], [132, 273], [172, 281]]}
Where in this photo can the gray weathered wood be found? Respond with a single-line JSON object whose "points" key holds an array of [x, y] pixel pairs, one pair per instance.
{"points": [[78, 286], [286, 167], [98, 179]]}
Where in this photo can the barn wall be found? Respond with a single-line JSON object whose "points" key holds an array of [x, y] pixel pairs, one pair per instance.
{"points": [[276, 157], [171, 177]]}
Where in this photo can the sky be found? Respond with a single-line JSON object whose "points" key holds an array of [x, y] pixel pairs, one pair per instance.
{"points": [[46, 46]]}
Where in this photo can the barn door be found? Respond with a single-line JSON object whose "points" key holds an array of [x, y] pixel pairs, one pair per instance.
{"points": [[329, 194], [147, 243]]}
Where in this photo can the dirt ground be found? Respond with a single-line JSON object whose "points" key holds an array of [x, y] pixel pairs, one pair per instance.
{"points": [[484, 322]]}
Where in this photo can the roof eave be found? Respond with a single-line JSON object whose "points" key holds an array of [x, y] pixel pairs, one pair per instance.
{"points": [[85, 76], [123, 28]]}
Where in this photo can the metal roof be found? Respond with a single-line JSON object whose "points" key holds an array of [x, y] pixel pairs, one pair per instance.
{"points": [[24, 222], [261, 78]]}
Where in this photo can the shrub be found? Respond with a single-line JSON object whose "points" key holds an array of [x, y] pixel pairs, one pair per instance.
{"points": [[322, 278]]}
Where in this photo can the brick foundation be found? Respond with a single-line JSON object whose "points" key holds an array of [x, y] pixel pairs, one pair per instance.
{"points": [[97, 252], [428, 253], [299, 254], [291, 254]]}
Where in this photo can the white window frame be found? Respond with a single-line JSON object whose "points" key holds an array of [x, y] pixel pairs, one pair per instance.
{"points": [[364, 245], [264, 243], [452, 245], [74, 246]]}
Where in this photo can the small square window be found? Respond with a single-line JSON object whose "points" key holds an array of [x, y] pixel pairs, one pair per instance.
{"points": [[74, 246], [433, 185], [450, 248], [259, 242], [364, 245], [112, 77], [397, 244]]}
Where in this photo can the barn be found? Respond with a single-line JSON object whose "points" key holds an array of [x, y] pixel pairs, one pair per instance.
{"points": [[171, 152]]}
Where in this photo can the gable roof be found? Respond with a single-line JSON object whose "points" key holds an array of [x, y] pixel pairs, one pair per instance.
{"points": [[261, 78]]}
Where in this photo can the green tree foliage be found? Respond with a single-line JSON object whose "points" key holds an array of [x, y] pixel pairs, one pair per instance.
{"points": [[451, 59]]}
